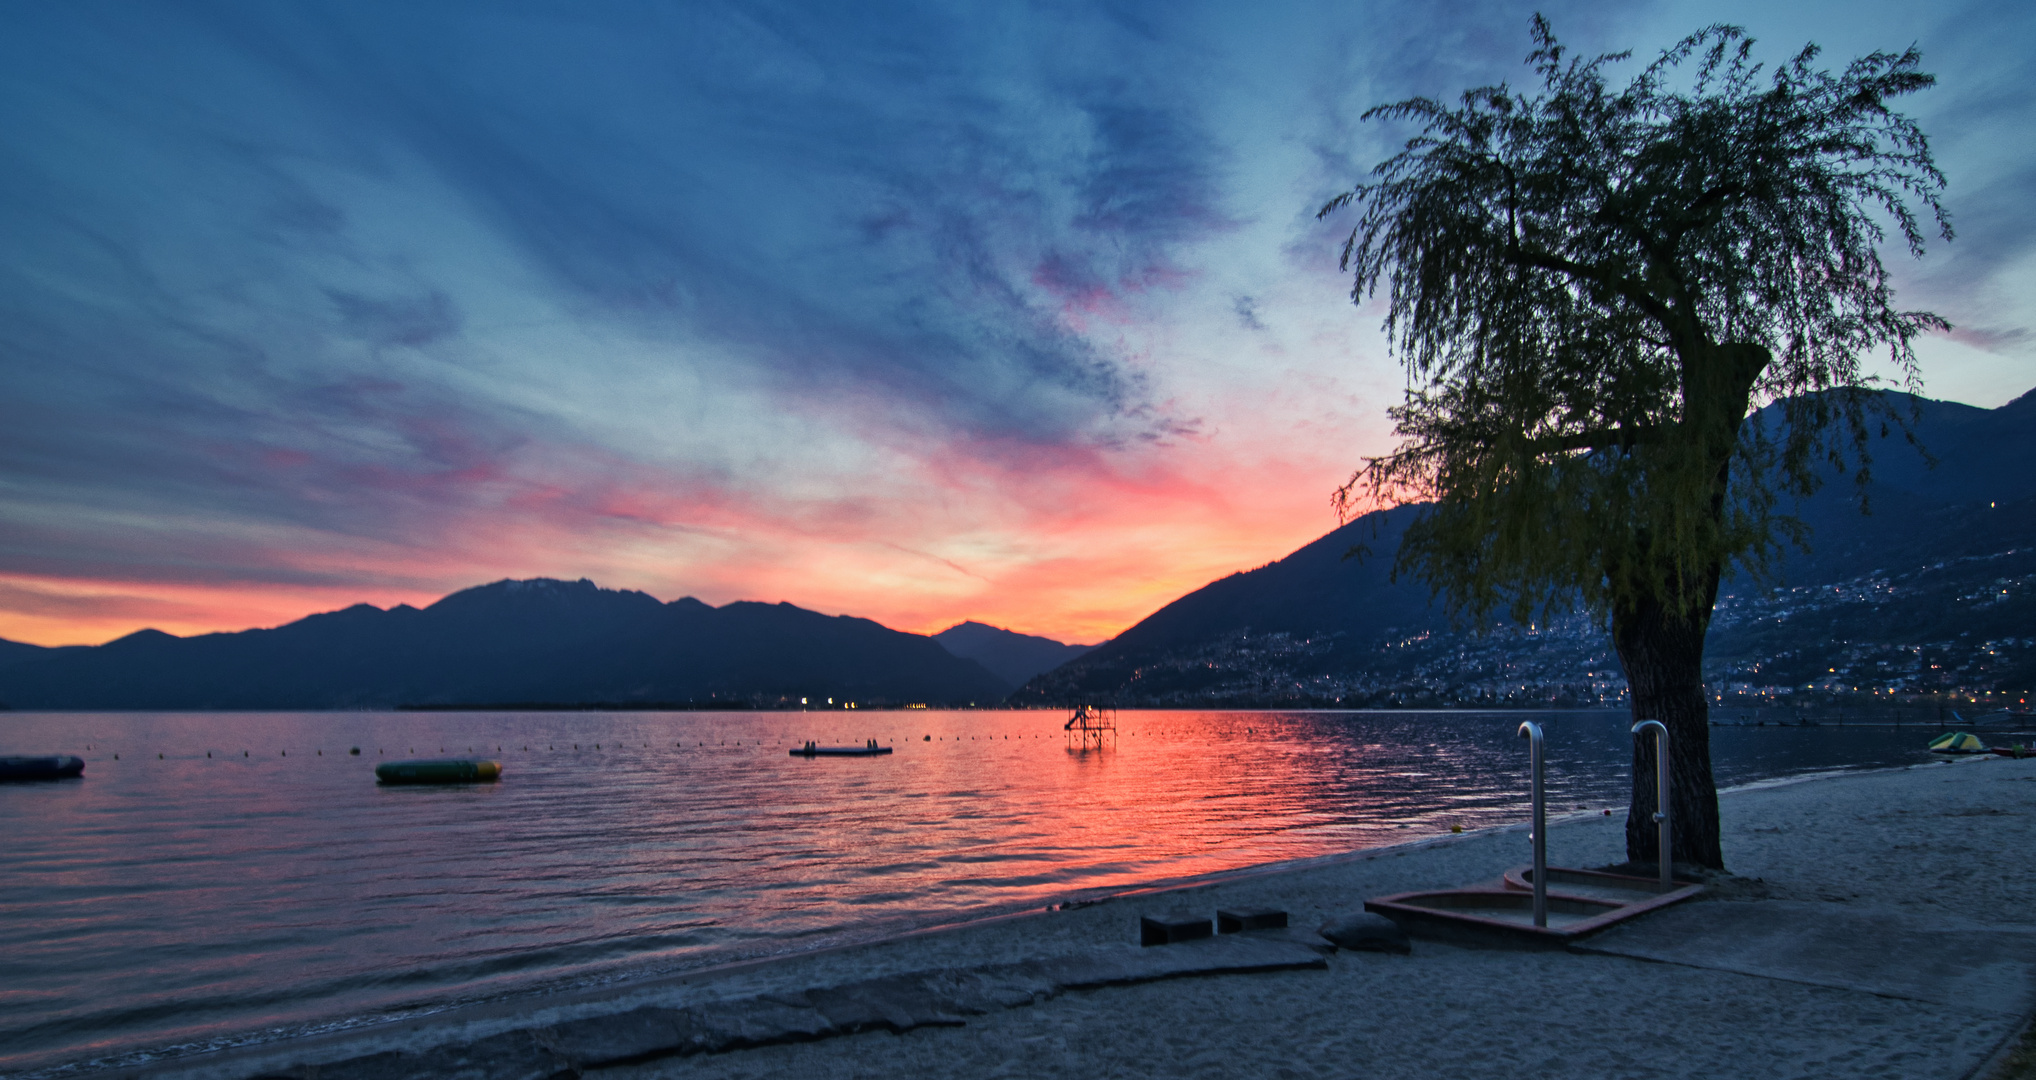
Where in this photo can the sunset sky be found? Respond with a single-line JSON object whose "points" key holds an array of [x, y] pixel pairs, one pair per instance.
{"points": [[919, 312]]}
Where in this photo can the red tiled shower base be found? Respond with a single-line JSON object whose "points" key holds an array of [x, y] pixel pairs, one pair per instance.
{"points": [[1580, 903]]}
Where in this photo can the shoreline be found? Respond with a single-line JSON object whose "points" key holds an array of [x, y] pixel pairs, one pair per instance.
{"points": [[170, 1059], [397, 970], [352, 1026], [1309, 887]]}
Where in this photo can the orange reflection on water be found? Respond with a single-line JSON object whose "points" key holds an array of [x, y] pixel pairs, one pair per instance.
{"points": [[996, 809], [187, 898]]}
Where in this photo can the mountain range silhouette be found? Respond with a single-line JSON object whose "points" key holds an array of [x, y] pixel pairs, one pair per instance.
{"points": [[545, 641], [537, 641]]}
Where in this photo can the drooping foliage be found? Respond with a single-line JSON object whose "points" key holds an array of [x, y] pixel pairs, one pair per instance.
{"points": [[1593, 286]]}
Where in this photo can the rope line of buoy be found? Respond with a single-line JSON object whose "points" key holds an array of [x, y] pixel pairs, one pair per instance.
{"points": [[782, 739]]}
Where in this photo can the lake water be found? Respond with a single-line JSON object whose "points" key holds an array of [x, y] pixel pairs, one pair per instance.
{"points": [[172, 901]]}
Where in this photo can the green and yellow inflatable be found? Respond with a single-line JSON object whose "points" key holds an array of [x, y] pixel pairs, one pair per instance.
{"points": [[439, 771], [1957, 742]]}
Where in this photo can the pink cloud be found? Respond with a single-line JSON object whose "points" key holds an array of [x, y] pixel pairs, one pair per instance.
{"points": [[1084, 294], [1072, 540]]}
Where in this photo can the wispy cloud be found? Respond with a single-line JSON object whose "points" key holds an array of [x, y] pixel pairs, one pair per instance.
{"points": [[921, 311]]}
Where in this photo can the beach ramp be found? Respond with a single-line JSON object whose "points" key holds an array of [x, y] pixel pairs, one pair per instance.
{"points": [[1884, 951]]}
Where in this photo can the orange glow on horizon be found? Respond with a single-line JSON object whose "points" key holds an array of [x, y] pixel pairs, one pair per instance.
{"points": [[1071, 549]]}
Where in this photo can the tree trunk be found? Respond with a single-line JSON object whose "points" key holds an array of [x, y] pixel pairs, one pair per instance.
{"points": [[1661, 648], [1663, 654]]}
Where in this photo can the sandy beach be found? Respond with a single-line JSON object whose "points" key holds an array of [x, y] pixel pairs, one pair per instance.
{"points": [[1874, 924]]}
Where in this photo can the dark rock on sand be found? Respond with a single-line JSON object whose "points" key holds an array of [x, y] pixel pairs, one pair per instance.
{"points": [[1366, 932]]}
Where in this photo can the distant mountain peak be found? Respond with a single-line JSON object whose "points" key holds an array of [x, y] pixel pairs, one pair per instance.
{"points": [[143, 637], [545, 584], [540, 588], [1011, 655], [972, 628]]}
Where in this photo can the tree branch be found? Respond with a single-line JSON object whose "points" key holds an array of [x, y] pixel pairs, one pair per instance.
{"points": [[1624, 286], [1623, 437]]}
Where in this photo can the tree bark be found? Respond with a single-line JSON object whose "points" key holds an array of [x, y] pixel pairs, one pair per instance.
{"points": [[1663, 654], [1662, 649]]}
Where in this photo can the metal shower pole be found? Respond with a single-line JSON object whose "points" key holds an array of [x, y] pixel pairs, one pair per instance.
{"points": [[1531, 731], [1660, 793]]}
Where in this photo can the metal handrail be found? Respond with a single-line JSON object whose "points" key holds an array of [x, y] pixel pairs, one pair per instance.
{"points": [[1660, 794], [1531, 731]]}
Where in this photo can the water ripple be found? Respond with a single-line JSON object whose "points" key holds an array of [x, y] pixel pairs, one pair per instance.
{"points": [[195, 901]]}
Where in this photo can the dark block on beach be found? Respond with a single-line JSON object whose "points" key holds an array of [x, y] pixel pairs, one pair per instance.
{"points": [[1366, 931], [1231, 954], [1238, 920], [1171, 927]]}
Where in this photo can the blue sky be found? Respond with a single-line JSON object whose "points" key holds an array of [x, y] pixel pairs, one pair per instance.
{"points": [[920, 312]]}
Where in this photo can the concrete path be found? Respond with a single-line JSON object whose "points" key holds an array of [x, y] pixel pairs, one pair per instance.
{"points": [[1943, 960]]}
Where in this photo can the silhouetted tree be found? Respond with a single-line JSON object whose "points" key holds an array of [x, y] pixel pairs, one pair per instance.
{"points": [[1593, 289]]}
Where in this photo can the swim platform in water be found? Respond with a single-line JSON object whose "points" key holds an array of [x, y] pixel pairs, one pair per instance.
{"points": [[813, 749]]}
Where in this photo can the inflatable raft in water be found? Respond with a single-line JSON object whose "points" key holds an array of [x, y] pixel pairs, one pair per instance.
{"points": [[48, 767], [812, 749], [1957, 742], [440, 771]]}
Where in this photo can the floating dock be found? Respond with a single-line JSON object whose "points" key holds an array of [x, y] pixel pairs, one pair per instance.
{"points": [[813, 749]]}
